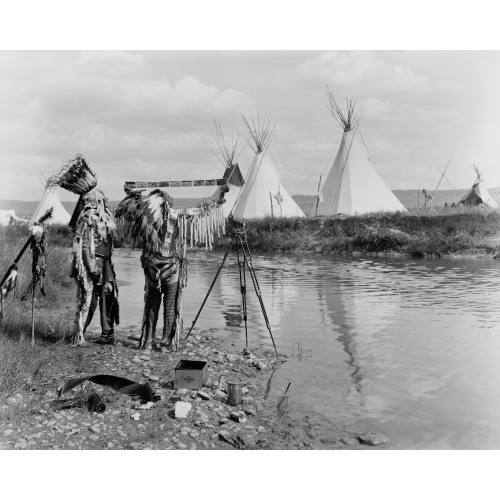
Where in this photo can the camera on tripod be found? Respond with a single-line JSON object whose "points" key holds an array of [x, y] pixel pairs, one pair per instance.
{"points": [[235, 226]]}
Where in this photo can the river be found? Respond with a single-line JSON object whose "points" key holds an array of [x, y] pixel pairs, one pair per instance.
{"points": [[408, 348]]}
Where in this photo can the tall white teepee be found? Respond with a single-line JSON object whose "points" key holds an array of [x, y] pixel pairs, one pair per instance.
{"points": [[227, 154], [478, 194], [352, 185], [263, 195], [50, 200]]}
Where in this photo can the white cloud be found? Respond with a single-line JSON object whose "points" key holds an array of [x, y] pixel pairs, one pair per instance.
{"points": [[359, 72]]}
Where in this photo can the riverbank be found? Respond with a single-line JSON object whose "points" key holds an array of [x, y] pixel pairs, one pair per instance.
{"points": [[474, 233], [30, 419]]}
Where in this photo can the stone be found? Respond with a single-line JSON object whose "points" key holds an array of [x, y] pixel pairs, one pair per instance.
{"points": [[204, 395], [219, 395], [154, 378], [144, 358], [11, 401], [8, 432], [244, 390], [250, 411], [95, 429], [22, 444], [261, 430], [349, 441], [372, 438], [181, 392]]}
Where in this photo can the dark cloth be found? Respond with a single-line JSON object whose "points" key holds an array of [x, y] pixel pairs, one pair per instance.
{"points": [[107, 310], [153, 298]]}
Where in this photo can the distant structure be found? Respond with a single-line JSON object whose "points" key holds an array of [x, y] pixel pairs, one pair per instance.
{"points": [[352, 185], [263, 194], [50, 199], [8, 217], [478, 194]]}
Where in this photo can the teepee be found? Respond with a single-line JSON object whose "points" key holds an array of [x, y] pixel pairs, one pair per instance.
{"points": [[478, 194], [263, 195], [50, 199], [227, 153], [352, 185]]}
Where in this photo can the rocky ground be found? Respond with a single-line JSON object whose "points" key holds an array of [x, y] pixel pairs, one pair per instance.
{"points": [[29, 419]]}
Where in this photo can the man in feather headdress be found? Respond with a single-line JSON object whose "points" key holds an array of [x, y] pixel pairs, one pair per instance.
{"points": [[92, 268], [155, 228]]}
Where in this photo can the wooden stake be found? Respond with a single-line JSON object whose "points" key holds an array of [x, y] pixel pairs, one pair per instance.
{"points": [[33, 313]]}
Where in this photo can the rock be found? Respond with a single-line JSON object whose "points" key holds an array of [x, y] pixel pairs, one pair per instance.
{"points": [[144, 357], [261, 430], [372, 438], [95, 429], [204, 395], [154, 378], [261, 366], [8, 432], [11, 401], [297, 434], [135, 445], [135, 416], [110, 445], [349, 441], [22, 444], [245, 400], [250, 411], [244, 390], [219, 395], [181, 392], [19, 397]]}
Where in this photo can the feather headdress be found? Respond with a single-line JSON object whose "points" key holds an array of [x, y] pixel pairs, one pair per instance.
{"points": [[75, 176], [148, 215]]}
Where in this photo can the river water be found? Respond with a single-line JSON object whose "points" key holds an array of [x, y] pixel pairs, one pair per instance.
{"points": [[408, 348]]}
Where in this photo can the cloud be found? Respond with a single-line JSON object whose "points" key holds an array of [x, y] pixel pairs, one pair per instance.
{"points": [[360, 72]]}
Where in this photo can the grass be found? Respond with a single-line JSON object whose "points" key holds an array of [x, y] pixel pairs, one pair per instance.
{"points": [[57, 257], [458, 231]]}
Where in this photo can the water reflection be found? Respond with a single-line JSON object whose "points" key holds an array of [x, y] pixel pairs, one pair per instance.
{"points": [[407, 347]]}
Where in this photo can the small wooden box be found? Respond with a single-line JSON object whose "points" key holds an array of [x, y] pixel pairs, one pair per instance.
{"points": [[190, 374]]}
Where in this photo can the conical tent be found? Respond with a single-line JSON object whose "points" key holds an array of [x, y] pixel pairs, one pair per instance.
{"points": [[263, 195], [50, 200], [227, 153], [478, 194], [352, 185]]}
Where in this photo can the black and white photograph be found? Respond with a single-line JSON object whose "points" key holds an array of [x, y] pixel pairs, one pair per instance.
{"points": [[220, 252]]}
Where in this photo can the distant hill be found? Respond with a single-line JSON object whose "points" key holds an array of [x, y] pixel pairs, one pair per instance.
{"points": [[25, 209], [408, 197]]}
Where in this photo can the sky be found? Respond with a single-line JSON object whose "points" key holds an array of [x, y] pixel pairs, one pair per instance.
{"points": [[148, 114]]}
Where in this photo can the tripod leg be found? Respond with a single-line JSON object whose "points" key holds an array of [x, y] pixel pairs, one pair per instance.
{"points": [[210, 289], [243, 286], [248, 258]]}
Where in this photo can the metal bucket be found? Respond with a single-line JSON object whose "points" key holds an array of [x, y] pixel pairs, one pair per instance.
{"points": [[234, 393]]}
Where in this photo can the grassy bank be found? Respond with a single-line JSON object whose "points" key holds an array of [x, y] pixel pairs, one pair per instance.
{"points": [[445, 233]]}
